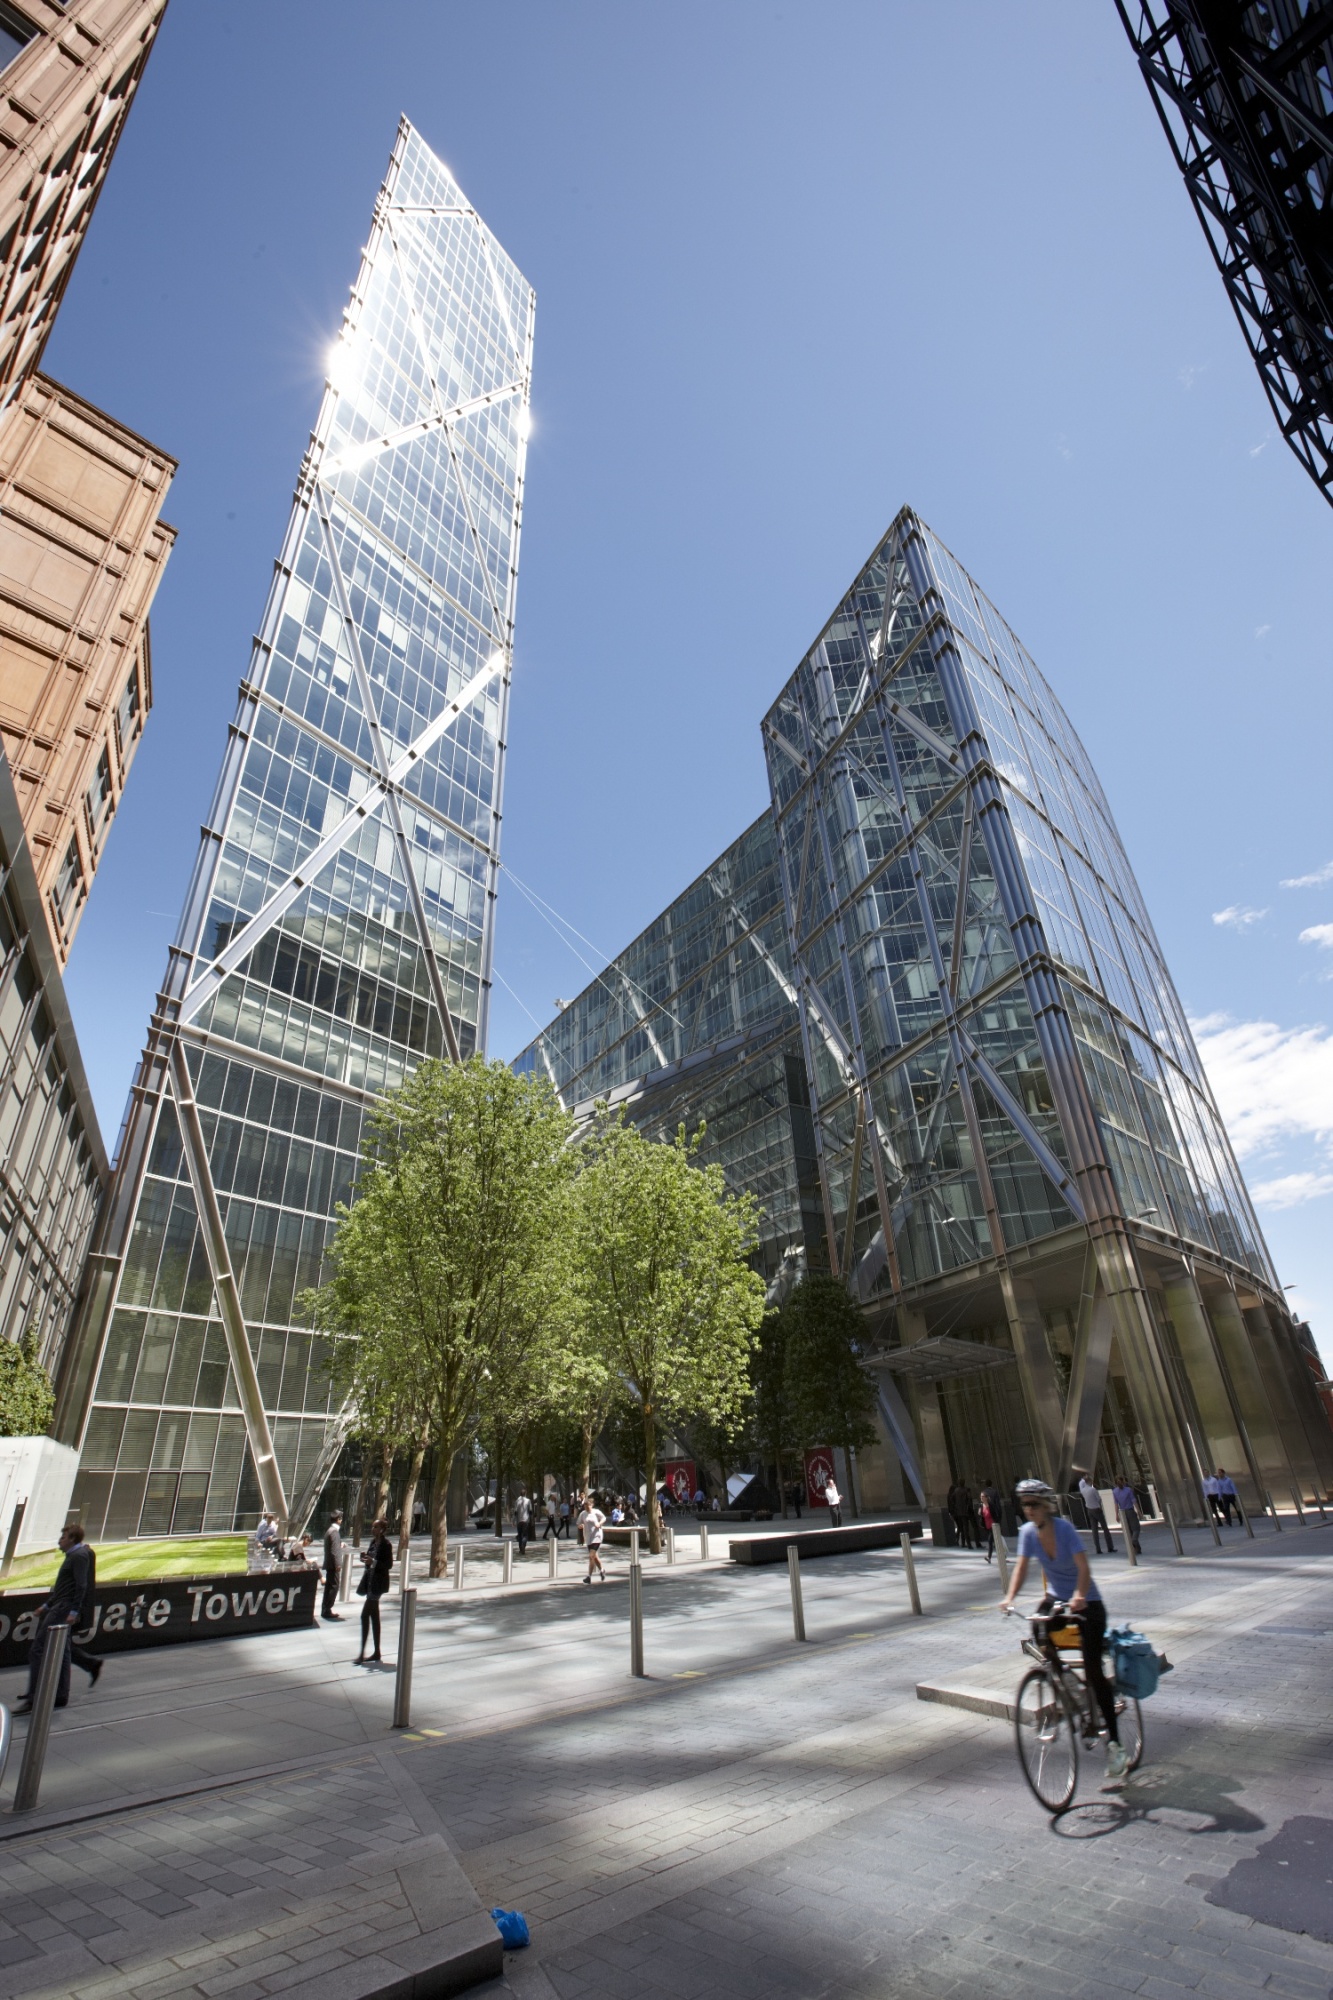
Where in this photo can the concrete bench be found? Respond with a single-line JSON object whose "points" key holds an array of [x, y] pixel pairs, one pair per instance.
{"points": [[823, 1541]]}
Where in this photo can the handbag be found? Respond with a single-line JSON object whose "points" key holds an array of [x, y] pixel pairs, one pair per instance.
{"points": [[1138, 1665]]}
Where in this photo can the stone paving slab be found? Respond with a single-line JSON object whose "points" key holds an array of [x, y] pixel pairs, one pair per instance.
{"points": [[337, 1883]]}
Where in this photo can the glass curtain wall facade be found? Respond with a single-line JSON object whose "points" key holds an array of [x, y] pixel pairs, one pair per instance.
{"points": [[695, 1022], [947, 1057], [338, 926], [1015, 1133]]}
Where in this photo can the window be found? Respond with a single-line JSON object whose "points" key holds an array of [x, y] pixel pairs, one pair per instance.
{"points": [[127, 716], [99, 801], [68, 891], [15, 34]]}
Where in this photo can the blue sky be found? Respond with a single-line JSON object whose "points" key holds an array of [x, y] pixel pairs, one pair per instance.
{"points": [[795, 266]]}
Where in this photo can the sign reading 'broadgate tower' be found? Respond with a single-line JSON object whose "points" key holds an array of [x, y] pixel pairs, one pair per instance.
{"points": [[337, 929]]}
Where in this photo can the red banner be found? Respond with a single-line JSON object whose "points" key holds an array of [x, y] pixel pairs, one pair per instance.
{"points": [[678, 1478], [818, 1473]]}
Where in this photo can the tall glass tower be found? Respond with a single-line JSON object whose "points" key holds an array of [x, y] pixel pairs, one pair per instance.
{"points": [[338, 924]]}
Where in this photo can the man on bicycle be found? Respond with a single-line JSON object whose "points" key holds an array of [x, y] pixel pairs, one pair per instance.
{"points": [[1047, 1538]]}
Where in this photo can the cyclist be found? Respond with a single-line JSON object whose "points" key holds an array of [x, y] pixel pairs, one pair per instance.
{"points": [[1047, 1538]]}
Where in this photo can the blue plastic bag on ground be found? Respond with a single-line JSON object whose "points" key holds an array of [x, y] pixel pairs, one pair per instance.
{"points": [[513, 1928], [1137, 1667]]}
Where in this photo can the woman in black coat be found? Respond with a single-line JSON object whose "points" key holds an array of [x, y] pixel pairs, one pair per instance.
{"points": [[378, 1561]]}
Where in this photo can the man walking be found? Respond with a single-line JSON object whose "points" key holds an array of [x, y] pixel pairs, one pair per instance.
{"points": [[333, 1566], [833, 1500], [591, 1522], [69, 1605], [1228, 1496], [1092, 1502], [1212, 1496], [523, 1519], [552, 1520], [1127, 1506]]}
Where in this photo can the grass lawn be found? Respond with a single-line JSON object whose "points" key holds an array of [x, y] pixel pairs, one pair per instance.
{"points": [[123, 1562]]}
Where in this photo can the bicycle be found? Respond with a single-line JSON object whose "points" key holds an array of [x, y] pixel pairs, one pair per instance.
{"points": [[1055, 1707]]}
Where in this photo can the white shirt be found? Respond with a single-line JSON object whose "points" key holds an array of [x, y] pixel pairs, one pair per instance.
{"points": [[1210, 1484], [1092, 1499], [591, 1520], [832, 1495]]}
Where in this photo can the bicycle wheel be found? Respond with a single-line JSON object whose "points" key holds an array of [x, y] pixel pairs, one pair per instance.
{"points": [[1046, 1738], [1129, 1721]]}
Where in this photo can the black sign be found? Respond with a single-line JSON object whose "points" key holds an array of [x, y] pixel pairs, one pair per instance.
{"points": [[165, 1611]]}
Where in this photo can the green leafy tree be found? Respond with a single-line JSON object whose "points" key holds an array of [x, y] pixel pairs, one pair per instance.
{"points": [[832, 1397], [779, 1416], [27, 1400], [446, 1265], [670, 1302]]}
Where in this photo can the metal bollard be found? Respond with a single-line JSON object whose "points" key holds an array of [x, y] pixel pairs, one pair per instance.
{"points": [[6, 1738], [1212, 1521], [1277, 1518], [345, 1581], [1300, 1511], [507, 1564], [634, 1548], [703, 1541], [671, 1544], [458, 1566], [909, 1569], [797, 1607], [1171, 1524], [553, 1559], [405, 1577], [402, 1679], [1001, 1555], [1245, 1520], [636, 1622], [39, 1728]]}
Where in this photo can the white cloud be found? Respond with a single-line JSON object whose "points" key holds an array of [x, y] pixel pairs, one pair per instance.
{"points": [[1290, 1190], [1272, 1084], [1320, 934], [1262, 631], [1263, 445], [1324, 874], [1238, 917]]}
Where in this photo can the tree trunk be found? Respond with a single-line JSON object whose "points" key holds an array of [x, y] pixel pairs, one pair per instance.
{"points": [[588, 1437], [650, 1460], [385, 1479], [498, 1513], [782, 1485], [847, 1459], [409, 1504], [439, 1514], [362, 1488]]}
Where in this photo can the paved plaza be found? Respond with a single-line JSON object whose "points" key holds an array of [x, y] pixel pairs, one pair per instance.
{"points": [[757, 1818]]}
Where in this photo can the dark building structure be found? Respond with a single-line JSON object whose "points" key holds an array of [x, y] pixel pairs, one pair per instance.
{"points": [[1245, 94]]}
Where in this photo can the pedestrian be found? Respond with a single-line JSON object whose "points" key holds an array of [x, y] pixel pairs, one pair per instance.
{"points": [[564, 1521], [987, 1522], [956, 1503], [552, 1527], [591, 1522], [333, 1566], [1227, 1494], [523, 1519], [267, 1532], [377, 1561], [833, 1500], [1127, 1506], [1092, 1501], [69, 1605], [1212, 1496]]}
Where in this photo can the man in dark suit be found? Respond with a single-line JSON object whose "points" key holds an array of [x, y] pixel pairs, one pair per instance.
{"points": [[70, 1604], [333, 1565]]}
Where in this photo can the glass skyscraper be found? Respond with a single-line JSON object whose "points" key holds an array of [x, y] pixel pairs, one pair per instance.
{"points": [[1023, 1175], [338, 924]]}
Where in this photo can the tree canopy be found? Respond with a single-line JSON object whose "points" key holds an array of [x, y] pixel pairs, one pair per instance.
{"points": [[663, 1281], [27, 1399]]}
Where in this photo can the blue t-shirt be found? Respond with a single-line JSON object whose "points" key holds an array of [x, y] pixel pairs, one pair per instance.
{"points": [[1060, 1570]]}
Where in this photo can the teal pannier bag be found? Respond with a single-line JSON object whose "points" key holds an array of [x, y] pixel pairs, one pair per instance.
{"points": [[1136, 1664]]}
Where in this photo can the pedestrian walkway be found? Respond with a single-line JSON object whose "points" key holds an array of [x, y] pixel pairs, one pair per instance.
{"points": [[756, 1818]]}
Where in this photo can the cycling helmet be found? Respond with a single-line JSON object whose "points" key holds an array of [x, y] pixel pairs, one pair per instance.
{"points": [[1035, 1489]]}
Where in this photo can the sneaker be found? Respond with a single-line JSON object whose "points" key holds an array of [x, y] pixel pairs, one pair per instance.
{"points": [[1117, 1761], [94, 1673], [23, 1707]]}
